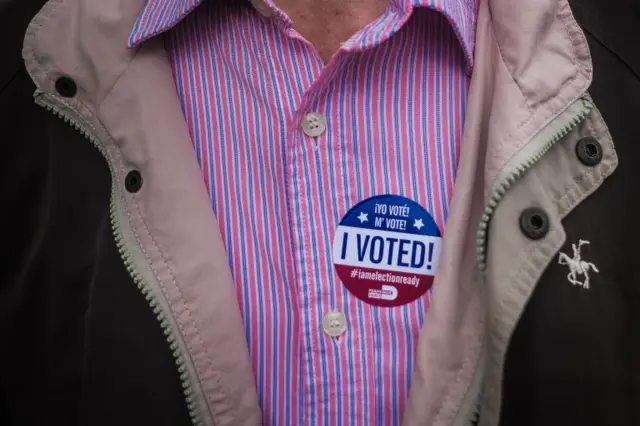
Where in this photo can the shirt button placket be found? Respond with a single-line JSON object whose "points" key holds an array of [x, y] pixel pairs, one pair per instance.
{"points": [[334, 324], [314, 124], [319, 321]]}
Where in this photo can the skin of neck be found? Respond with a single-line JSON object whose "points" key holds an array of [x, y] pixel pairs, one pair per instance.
{"points": [[326, 24]]}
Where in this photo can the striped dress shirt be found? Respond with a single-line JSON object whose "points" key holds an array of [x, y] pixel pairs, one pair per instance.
{"points": [[389, 111]]}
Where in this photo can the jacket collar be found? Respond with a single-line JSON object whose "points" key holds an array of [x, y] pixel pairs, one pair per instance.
{"points": [[159, 16]]}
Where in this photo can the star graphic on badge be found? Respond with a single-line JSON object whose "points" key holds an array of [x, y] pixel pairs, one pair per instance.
{"points": [[418, 223], [363, 217]]}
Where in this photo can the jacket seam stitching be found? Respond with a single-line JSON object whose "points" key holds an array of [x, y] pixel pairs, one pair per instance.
{"points": [[33, 28], [521, 273], [183, 300], [169, 267], [563, 209]]}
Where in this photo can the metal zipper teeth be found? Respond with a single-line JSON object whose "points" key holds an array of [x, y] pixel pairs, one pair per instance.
{"points": [[507, 182], [130, 266], [520, 169]]}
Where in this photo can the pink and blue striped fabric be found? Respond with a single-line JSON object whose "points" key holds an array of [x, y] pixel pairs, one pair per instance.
{"points": [[394, 100]]}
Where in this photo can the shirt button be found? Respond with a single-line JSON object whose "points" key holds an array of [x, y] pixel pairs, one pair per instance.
{"points": [[334, 323], [314, 124]]}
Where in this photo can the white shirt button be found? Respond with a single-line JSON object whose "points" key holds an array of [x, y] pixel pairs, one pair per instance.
{"points": [[334, 323], [314, 124]]}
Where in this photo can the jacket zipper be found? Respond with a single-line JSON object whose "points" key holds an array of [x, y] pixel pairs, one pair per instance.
{"points": [[515, 169], [59, 109], [568, 120]]}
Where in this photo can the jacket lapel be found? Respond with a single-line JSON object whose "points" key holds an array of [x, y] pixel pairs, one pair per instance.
{"points": [[531, 63]]}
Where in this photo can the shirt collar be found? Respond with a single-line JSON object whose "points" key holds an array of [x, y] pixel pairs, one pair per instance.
{"points": [[158, 16], [462, 16]]}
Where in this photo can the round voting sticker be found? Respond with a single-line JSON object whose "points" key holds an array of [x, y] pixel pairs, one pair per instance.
{"points": [[386, 250]]}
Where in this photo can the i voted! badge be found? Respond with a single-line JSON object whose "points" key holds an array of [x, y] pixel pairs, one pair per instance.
{"points": [[386, 250]]}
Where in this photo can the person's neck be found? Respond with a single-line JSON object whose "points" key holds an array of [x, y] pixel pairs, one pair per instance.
{"points": [[328, 23]]}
